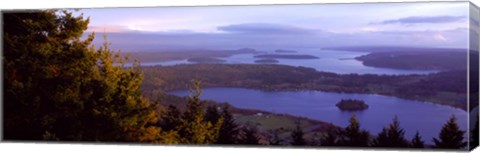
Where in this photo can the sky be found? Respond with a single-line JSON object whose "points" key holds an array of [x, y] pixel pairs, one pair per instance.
{"points": [[433, 24]]}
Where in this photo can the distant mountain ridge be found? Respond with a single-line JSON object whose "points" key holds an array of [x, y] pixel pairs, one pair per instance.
{"points": [[396, 49]]}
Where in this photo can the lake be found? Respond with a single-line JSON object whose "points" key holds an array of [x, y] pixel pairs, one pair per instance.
{"points": [[341, 62], [427, 118]]}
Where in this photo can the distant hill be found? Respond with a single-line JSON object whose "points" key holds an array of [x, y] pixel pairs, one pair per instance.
{"points": [[285, 51], [396, 49], [412, 60]]}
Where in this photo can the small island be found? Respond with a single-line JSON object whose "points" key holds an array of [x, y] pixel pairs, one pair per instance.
{"points": [[285, 51], [205, 60], [352, 105], [266, 61], [285, 56]]}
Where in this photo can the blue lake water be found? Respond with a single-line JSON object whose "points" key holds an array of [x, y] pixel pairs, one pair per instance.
{"points": [[427, 118], [341, 62]]}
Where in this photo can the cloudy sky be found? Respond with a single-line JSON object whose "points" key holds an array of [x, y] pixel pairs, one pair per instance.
{"points": [[438, 24]]}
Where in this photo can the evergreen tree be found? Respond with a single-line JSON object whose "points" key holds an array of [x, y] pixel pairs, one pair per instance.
{"points": [[417, 141], [171, 120], [57, 85], [315, 139], [391, 136], [212, 115], [353, 136], [297, 136], [474, 136], [450, 137], [195, 129], [250, 135], [275, 139], [330, 138], [229, 130]]}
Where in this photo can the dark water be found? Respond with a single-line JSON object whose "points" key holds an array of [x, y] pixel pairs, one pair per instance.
{"points": [[427, 118], [341, 62]]}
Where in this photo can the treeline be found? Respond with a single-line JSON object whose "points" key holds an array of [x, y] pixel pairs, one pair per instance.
{"points": [[448, 88], [392, 136], [423, 60]]}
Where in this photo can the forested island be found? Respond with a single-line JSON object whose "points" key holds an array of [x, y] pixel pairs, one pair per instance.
{"points": [[285, 56], [351, 105], [266, 61]]}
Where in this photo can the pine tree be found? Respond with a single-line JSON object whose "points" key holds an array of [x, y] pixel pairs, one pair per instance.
{"points": [[212, 115], [275, 139], [474, 136], [417, 141], [195, 129], [229, 130], [391, 136], [58, 85], [297, 136], [250, 135], [353, 136], [171, 120], [314, 139], [330, 138], [450, 137]]}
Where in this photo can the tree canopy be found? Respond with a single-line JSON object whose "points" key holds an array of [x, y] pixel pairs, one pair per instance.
{"points": [[391, 136], [60, 87], [450, 137], [297, 136], [417, 141], [353, 136]]}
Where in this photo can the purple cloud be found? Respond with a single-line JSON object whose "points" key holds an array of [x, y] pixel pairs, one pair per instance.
{"points": [[425, 19]]}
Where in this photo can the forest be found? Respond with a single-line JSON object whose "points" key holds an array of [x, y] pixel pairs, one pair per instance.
{"points": [[58, 87]]}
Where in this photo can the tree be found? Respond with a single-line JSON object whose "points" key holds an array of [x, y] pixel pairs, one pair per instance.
{"points": [[297, 136], [172, 119], [212, 115], [250, 135], [315, 139], [353, 136], [417, 141], [450, 137], [57, 85], [229, 130], [474, 137], [194, 128], [330, 138], [275, 139], [391, 136]]}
